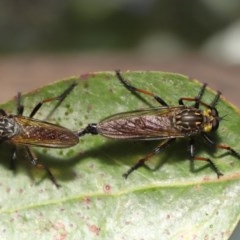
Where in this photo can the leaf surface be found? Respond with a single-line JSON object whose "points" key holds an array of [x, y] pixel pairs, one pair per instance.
{"points": [[170, 202]]}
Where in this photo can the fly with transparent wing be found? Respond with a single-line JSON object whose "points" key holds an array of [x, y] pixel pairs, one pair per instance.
{"points": [[164, 123], [25, 131]]}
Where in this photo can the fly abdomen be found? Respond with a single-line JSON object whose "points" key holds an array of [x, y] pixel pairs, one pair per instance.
{"points": [[44, 134], [146, 126]]}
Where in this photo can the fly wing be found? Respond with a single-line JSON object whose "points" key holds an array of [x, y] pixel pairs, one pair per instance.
{"points": [[41, 133], [146, 124]]}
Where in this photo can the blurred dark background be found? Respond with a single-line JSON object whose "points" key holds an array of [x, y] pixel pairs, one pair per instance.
{"points": [[121, 25], [42, 41]]}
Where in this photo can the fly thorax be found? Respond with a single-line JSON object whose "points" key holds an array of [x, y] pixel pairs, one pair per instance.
{"points": [[189, 121], [8, 127]]}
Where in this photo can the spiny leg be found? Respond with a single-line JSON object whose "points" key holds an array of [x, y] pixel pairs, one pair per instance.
{"points": [[20, 107], [194, 100], [134, 89], [215, 100], [142, 161], [197, 99], [60, 98], [222, 146], [193, 157], [199, 96], [35, 162]]}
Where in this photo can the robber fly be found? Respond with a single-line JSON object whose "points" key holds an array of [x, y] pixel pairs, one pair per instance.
{"points": [[164, 123], [28, 131]]}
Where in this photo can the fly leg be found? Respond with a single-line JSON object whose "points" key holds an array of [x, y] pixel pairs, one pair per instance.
{"points": [[35, 162], [20, 107], [198, 101], [222, 146], [59, 98], [134, 89], [142, 161], [215, 100], [193, 157]]}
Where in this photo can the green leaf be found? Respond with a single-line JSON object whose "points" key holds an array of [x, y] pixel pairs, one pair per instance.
{"points": [[95, 201]]}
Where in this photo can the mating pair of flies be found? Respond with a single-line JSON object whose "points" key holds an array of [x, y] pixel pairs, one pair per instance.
{"points": [[165, 123]]}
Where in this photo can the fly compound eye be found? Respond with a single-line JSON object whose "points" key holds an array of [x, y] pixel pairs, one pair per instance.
{"points": [[214, 112], [215, 124], [215, 121]]}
